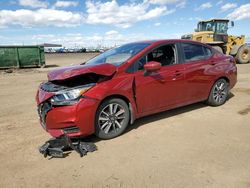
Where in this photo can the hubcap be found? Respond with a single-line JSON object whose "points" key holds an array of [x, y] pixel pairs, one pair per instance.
{"points": [[245, 54], [220, 93], [111, 118]]}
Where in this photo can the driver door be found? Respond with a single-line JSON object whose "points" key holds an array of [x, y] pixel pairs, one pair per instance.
{"points": [[162, 89]]}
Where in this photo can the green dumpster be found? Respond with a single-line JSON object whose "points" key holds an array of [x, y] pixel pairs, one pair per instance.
{"points": [[21, 56]]}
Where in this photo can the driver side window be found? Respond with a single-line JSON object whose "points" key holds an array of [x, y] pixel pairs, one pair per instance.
{"points": [[166, 55]]}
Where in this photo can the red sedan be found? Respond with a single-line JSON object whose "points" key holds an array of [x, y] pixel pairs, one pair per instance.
{"points": [[113, 89]]}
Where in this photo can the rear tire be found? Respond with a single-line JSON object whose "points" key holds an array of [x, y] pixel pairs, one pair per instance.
{"points": [[218, 49], [219, 93], [112, 118], [243, 55]]}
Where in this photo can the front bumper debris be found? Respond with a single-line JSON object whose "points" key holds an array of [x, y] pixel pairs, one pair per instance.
{"points": [[57, 147]]}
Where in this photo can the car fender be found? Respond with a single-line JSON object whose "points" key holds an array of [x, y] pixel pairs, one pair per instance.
{"points": [[121, 86]]}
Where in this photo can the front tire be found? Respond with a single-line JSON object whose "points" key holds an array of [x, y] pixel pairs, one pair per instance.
{"points": [[219, 93], [112, 118]]}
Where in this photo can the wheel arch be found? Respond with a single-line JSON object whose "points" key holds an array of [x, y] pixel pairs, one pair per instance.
{"points": [[117, 96], [223, 77]]}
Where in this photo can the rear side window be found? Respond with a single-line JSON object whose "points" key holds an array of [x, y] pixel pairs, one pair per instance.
{"points": [[208, 51], [193, 52]]}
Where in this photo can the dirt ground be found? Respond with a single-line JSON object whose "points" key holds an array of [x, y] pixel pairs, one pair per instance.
{"points": [[193, 146]]}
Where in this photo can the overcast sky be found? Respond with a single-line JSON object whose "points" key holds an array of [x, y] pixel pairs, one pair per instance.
{"points": [[94, 22]]}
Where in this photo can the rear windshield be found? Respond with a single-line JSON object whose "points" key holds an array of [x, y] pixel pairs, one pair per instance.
{"points": [[119, 55]]}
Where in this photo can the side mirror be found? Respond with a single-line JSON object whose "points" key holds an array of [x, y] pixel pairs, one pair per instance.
{"points": [[152, 66], [232, 23]]}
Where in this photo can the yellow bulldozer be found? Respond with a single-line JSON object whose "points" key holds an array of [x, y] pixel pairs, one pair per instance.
{"points": [[214, 33]]}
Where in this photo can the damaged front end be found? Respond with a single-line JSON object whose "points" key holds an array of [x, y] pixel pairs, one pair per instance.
{"points": [[73, 81], [57, 101], [64, 110]]}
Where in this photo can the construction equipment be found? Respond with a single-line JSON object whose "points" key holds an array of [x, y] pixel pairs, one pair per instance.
{"points": [[214, 33]]}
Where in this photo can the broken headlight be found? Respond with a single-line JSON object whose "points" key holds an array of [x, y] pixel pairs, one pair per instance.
{"points": [[69, 96]]}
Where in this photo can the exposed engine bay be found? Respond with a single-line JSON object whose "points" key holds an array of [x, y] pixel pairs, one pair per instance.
{"points": [[80, 80]]}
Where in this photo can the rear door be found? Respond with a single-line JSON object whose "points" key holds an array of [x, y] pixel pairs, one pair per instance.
{"points": [[197, 61], [164, 88]]}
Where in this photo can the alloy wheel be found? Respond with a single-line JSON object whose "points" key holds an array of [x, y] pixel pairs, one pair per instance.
{"points": [[220, 92], [111, 118]]}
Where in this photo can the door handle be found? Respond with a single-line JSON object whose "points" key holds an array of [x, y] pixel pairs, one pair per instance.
{"points": [[178, 73], [212, 63]]}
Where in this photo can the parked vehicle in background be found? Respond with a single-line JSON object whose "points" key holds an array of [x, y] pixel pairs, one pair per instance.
{"points": [[113, 89], [65, 50]]}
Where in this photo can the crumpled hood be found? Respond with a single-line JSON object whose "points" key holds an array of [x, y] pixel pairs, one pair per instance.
{"points": [[104, 69]]}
